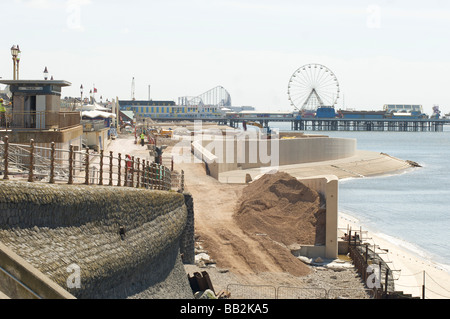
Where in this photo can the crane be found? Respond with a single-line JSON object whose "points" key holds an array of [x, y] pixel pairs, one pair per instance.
{"points": [[132, 90]]}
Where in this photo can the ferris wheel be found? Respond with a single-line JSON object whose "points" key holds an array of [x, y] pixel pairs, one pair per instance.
{"points": [[313, 86]]}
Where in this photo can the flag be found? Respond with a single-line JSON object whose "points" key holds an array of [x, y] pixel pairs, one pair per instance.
{"points": [[95, 90]]}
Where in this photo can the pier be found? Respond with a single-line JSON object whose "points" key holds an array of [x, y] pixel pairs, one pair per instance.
{"points": [[399, 125], [331, 124]]}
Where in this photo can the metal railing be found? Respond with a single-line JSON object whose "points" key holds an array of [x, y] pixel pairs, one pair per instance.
{"points": [[82, 167], [41, 120]]}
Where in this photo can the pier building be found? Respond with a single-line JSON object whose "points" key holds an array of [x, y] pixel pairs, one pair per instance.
{"points": [[169, 110]]}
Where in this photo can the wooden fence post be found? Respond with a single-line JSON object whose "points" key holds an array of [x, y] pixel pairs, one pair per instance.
{"points": [[52, 164], [5, 157], [386, 281], [100, 178], [86, 168], [118, 168], [110, 168], [423, 286], [30, 172], [70, 165]]}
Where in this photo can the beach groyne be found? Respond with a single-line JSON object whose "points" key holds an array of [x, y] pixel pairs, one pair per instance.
{"points": [[98, 241]]}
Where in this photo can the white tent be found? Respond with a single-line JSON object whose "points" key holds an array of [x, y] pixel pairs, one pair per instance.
{"points": [[94, 107], [94, 114]]}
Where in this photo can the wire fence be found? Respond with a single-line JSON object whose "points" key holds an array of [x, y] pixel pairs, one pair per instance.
{"points": [[389, 282], [239, 291], [73, 166]]}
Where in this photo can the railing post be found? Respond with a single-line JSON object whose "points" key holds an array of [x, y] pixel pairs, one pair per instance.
{"points": [[367, 262], [182, 181], [144, 176], [161, 176], [158, 176], [86, 168], [132, 172], [386, 281], [118, 170], [138, 162], [126, 172], [110, 168], [100, 178], [30, 173], [423, 286], [166, 178], [52, 164], [169, 180], [70, 164], [5, 158], [152, 175]]}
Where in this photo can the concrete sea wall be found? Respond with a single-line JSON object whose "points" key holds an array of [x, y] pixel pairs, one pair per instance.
{"points": [[223, 155], [117, 242]]}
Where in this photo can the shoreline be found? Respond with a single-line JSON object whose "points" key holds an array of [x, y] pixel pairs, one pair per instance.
{"points": [[403, 255], [412, 267]]}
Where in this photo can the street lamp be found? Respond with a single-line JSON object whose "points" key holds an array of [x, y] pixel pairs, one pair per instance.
{"points": [[14, 52], [81, 91], [18, 60], [45, 73]]}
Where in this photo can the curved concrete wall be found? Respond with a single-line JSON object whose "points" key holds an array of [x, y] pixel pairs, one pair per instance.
{"points": [[57, 228], [223, 155]]}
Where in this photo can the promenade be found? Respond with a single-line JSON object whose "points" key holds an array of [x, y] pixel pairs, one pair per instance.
{"points": [[362, 164]]}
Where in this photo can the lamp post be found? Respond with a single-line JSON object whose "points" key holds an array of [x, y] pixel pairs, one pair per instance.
{"points": [[81, 91], [45, 74], [18, 60], [15, 53]]}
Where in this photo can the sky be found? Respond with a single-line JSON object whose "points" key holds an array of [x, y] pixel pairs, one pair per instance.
{"points": [[382, 52]]}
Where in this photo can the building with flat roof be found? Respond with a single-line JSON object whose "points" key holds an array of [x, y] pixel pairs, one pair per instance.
{"points": [[168, 109], [36, 115], [407, 108]]}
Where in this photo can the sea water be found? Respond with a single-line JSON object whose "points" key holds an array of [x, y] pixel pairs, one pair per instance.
{"points": [[410, 209]]}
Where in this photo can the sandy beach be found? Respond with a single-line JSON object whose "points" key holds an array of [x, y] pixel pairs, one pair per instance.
{"points": [[411, 270], [237, 253]]}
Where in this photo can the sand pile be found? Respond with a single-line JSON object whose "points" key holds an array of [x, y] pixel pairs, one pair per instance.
{"points": [[282, 208]]}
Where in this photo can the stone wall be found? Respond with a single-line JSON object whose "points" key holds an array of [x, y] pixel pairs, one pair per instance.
{"points": [[125, 242], [188, 236]]}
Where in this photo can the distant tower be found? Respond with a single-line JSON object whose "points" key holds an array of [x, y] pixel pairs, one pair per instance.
{"points": [[132, 90]]}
